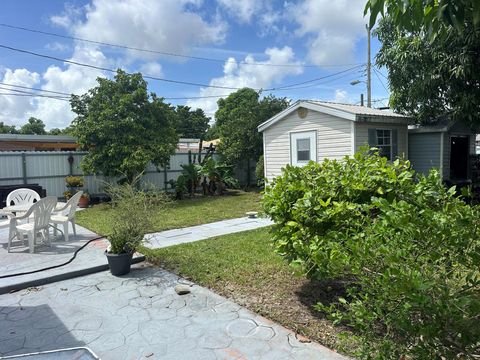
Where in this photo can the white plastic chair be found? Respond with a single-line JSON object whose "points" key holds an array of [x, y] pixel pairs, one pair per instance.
{"points": [[5, 223], [22, 196], [61, 216], [41, 211]]}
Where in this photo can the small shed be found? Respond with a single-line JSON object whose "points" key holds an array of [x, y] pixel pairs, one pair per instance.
{"points": [[315, 130], [447, 146], [20, 142]]}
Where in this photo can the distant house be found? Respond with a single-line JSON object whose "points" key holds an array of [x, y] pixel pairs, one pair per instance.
{"points": [[314, 130], [446, 146], [16, 142]]}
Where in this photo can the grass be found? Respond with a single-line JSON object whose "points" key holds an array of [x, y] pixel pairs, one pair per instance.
{"points": [[178, 214], [244, 268]]}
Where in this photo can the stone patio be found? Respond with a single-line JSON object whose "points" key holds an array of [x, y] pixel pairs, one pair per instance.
{"points": [[139, 316]]}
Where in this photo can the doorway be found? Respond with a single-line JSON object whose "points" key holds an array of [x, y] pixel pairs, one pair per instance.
{"points": [[458, 157]]}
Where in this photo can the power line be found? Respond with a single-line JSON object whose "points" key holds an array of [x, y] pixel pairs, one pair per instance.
{"points": [[163, 79], [33, 95], [375, 71], [37, 89], [160, 52]]}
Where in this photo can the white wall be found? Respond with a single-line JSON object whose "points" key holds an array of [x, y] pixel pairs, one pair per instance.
{"points": [[334, 139]]}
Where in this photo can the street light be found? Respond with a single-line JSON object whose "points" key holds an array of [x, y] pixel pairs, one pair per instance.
{"points": [[356, 82]]}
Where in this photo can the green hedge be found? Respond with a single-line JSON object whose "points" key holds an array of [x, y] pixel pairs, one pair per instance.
{"points": [[407, 246]]}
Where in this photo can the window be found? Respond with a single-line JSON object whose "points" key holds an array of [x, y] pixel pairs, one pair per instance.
{"points": [[384, 143], [303, 147]]}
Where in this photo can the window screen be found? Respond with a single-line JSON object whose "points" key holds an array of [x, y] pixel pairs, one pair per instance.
{"points": [[303, 149]]}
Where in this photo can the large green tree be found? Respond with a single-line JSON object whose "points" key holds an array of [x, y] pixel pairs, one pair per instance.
{"points": [[7, 129], [237, 119], [33, 126], [431, 50], [191, 124], [123, 127], [432, 16]]}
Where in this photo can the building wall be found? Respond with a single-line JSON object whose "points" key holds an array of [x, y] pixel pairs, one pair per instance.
{"points": [[361, 135], [334, 139], [424, 151]]}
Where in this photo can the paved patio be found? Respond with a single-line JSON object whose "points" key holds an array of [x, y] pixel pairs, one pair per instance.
{"points": [[139, 316]]}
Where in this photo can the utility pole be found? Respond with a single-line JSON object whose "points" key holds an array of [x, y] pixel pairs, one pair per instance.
{"points": [[369, 71]]}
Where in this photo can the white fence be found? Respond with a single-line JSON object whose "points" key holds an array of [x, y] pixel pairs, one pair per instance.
{"points": [[49, 169]]}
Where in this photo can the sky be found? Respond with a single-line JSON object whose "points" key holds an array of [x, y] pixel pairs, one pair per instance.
{"points": [[191, 52]]}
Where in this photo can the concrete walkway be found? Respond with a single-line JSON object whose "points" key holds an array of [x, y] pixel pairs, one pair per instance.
{"points": [[202, 232], [139, 316]]}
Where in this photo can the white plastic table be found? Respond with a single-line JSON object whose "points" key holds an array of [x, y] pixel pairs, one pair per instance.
{"points": [[26, 207]]}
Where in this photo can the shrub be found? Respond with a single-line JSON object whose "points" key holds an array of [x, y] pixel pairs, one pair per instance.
{"points": [[131, 215], [408, 247], [260, 171], [74, 181]]}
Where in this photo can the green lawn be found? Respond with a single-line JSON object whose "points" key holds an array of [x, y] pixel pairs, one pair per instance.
{"points": [[244, 268], [180, 213]]}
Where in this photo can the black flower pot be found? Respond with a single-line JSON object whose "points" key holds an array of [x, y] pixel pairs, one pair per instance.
{"points": [[119, 263]]}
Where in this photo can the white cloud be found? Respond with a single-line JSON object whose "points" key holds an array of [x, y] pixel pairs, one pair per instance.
{"points": [[14, 107], [242, 10], [333, 28], [341, 96], [247, 74], [150, 24], [152, 69], [57, 46]]}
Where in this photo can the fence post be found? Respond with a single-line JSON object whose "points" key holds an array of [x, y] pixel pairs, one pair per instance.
{"points": [[189, 156], [248, 173], [165, 177], [24, 167]]}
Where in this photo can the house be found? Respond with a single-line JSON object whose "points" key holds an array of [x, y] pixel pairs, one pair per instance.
{"points": [[18, 142], [314, 130], [447, 146]]}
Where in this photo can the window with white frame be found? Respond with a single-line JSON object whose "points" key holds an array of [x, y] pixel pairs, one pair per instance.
{"points": [[384, 143], [303, 147]]}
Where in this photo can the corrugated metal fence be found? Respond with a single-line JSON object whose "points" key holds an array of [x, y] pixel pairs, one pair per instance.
{"points": [[49, 169]]}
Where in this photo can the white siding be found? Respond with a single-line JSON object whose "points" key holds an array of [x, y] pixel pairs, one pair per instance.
{"points": [[334, 139], [361, 135]]}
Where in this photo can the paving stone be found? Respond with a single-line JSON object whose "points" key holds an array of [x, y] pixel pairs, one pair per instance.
{"points": [[241, 327], [200, 325], [215, 340]]}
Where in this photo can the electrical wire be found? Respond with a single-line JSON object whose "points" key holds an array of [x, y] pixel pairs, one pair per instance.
{"points": [[375, 71], [33, 95], [160, 52], [163, 79]]}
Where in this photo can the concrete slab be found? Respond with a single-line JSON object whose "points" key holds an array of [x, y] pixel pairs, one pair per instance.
{"points": [[89, 260], [205, 231], [139, 316]]}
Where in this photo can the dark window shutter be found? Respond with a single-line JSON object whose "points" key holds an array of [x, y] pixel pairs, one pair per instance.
{"points": [[394, 144], [372, 137]]}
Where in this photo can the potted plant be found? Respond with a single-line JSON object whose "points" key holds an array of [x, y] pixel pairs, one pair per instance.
{"points": [[84, 200], [74, 182], [130, 221]]}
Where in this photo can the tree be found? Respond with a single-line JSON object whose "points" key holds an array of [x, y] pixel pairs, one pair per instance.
{"points": [[237, 119], [430, 49], [432, 78], [191, 123], [122, 127], [33, 126], [55, 131], [432, 16], [7, 129]]}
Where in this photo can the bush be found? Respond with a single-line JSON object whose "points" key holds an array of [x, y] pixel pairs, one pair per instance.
{"points": [[131, 215], [408, 247], [260, 172]]}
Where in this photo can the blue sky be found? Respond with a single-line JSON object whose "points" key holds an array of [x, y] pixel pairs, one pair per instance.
{"points": [[256, 43]]}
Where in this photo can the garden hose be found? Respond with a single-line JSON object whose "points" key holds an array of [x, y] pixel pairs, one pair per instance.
{"points": [[54, 266]]}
